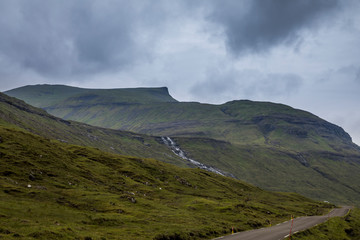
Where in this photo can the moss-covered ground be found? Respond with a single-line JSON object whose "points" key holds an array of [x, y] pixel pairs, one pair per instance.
{"points": [[272, 146], [53, 190]]}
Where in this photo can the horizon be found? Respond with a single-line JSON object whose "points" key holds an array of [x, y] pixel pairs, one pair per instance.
{"points": [[300, 53], [168, 91]]}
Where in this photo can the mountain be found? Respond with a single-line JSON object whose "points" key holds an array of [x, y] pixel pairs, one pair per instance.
{"points": [[49, 95], [137, 110], [16, 113], [54, 190], [273, 146]]}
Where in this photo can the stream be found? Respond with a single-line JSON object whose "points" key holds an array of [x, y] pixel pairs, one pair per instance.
{"points": [[177, 150]]}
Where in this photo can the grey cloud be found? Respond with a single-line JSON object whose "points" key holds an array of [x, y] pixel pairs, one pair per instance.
{"points": [[66, 38], [63, 39], [279, 84], [230, 83], [258, 25], [346, 77], [355, 130], [356, 74]]}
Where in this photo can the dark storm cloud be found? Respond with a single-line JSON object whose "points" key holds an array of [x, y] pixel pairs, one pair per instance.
{"points": [[63, 38], [259, 25]]}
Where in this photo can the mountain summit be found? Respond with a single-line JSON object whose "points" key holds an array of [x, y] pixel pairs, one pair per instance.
{"points": [[46, 95], [52, 189], [273, 146]]}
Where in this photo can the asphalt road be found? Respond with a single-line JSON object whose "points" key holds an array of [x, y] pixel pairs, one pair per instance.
{"points": [[282, 230]]}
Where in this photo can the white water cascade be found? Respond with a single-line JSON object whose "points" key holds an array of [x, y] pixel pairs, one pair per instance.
{"points": [[170, 143]]}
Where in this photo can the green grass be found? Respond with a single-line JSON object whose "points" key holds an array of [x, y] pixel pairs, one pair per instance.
{"points": [[82, 193], [46, 95], [339, 228], [153, 111], [49, 95], [272, 146], [320, 175], [14, 112]]}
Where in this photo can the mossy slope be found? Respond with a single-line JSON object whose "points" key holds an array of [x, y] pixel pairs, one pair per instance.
{"points": [[153, 111], [14, 112], [53, 190], [323, 175], [270, 145], [44, 95]]}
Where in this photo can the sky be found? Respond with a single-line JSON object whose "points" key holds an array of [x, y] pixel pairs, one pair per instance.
{"points": [[302, 53]]}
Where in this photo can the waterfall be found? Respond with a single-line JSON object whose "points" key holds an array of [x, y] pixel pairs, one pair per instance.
{"points": [[177, 150]]}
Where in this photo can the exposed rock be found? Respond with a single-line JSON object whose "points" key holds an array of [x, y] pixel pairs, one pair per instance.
{"points": [[182, 181], [132, 199], [298, 132], [141, 139], [301, 158], [41, 187], [32, 177]]}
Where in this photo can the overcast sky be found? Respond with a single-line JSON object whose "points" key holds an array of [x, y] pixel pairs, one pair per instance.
{"points": [[303, 53]]}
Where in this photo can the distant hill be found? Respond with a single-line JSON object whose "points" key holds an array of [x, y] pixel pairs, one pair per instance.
{"points": [[49, 95], [153, 111], [270, 145]]}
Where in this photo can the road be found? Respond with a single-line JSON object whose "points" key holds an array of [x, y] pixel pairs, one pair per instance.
{"points": [[282, 230]]}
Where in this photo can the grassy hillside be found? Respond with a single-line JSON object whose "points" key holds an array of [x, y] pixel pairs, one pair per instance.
{"points": [[273, 146], [240, 122], [53, 190], [321, 175], [14, 112], [48, 95]]}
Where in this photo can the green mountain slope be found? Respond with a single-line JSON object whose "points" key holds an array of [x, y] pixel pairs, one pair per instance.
{"points": [[48, 95], [321, 175], [14, 112], [270, 145], [242, 122], [53, 190]]}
